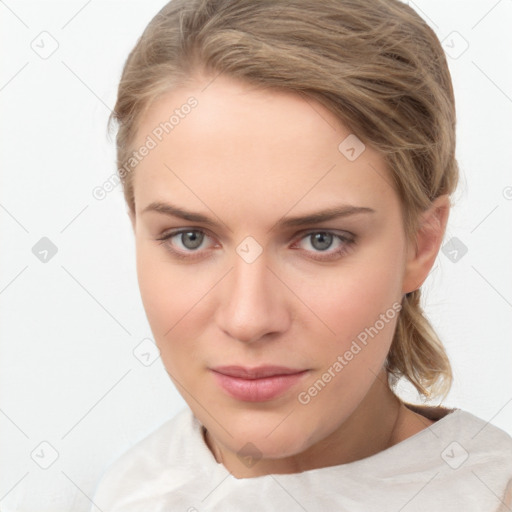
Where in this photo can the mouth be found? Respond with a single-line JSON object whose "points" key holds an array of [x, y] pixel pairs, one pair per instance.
{"points": [[259, 384]]}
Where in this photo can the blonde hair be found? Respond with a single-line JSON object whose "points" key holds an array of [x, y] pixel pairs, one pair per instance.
{"points": [[376, 65]]}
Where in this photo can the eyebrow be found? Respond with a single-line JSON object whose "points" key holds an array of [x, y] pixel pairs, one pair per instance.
{"points": [[285, 222]]}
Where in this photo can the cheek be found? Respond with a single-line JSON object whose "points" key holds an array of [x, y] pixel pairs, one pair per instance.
{"points": [[174, 298], [344, 304], [167, 293], [353, 296], [159, 297], [361, 306]]}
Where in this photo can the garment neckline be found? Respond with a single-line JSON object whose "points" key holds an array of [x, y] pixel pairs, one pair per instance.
{"points": [[440, 416]]}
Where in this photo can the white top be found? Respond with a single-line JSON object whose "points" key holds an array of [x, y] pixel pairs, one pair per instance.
{"points": [[461, 463]]}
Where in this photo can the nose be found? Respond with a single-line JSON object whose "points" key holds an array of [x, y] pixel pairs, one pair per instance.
{"points": [[254, 306]]}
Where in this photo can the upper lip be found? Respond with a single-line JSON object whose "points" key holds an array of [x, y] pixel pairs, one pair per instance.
{"points": [[259, 372]]}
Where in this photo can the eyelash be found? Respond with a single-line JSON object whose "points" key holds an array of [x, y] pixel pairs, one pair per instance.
{"points": [[347, 243]]}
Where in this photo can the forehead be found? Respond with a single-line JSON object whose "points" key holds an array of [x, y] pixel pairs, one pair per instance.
{"points": [[253, 145]]}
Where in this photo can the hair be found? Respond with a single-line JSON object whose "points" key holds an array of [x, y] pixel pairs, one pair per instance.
{"points": [[375, 65]]}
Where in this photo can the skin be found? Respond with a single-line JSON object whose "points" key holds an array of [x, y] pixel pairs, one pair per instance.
{"points": [[245, 158]]}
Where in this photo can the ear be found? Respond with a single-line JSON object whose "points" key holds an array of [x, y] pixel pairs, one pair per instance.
{"points": [[422, 252]]}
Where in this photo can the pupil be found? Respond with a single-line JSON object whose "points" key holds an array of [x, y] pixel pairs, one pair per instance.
{"points": [[191, 239], [322, 241]]}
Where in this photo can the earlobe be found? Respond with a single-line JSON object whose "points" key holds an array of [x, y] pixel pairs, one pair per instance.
{"points": [[422, 252]]}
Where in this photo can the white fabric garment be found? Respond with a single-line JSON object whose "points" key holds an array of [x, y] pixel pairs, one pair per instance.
{"points": [[461, 463]]}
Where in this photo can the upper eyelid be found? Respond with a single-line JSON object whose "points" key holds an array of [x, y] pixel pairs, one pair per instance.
{"points": [[303, 232]]}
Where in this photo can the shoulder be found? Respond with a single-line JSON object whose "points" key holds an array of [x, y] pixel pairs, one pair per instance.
{"points": [[160, 443], [481, 453], [470, 431], [476, 455], [466, 461], [477, 432], [151, 464], [484, 441]]}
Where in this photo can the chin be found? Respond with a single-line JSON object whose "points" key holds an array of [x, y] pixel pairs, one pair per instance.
{"points": [[273, 435]]}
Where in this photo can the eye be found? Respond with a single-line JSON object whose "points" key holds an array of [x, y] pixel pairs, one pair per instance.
{"points": [[184, 242], [320, 245], [325, 245]]}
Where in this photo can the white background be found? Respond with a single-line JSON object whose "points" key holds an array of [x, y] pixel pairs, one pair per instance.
{"points": [[68, 373]]}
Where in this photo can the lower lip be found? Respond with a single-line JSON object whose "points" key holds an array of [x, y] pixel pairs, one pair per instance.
{"points": [[257, 390]]}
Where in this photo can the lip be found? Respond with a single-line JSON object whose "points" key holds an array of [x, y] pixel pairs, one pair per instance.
{"points": [[259, 384]]}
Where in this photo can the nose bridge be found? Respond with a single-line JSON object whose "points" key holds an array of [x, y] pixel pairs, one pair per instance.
{"points": [[250, 282], [252, 301]]}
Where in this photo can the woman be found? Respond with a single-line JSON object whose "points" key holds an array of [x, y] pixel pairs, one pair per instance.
{"points": [[287, 168]]}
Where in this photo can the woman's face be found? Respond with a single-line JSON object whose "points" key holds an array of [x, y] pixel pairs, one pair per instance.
{"points": [[270, 260]]}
